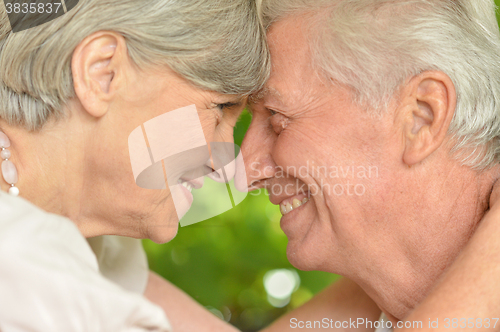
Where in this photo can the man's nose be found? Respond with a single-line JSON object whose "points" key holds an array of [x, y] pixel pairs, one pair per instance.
{"points": [[257, 149]]}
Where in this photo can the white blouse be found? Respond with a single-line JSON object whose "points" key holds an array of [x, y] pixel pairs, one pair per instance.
{"points": [[383, 322], [51, 280]]}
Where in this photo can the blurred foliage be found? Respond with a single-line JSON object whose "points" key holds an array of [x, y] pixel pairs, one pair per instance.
{"points": [[221, 262]]}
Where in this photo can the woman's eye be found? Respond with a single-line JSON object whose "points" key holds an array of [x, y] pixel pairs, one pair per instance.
{"points": [[222, 107]]}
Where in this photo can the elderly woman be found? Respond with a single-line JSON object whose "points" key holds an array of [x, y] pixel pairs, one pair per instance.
{"points": [[71, 93]]}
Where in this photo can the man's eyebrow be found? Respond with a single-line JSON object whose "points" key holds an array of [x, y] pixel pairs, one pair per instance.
{"points": [[265, 93]]}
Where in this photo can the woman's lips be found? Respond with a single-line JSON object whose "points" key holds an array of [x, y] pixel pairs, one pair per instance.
{"points": [[186, 188], [193, 183]]}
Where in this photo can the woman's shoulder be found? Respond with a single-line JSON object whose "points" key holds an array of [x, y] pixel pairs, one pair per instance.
{"points": [[29, 235], [48, 267], [122, 260], [23, 223], [24, 228]]}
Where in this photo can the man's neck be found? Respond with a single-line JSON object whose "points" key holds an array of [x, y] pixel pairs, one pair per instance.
{"points": [[455, 205]]}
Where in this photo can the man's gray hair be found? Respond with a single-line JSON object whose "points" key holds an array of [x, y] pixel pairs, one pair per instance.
{"points": [[218, 45], [374, 46]]}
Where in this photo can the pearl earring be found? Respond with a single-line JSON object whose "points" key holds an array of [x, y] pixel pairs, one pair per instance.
{"points": [[9, 170]]}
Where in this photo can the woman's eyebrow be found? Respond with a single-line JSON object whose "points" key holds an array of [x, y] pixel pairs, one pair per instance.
{"points": [[236, 101]]}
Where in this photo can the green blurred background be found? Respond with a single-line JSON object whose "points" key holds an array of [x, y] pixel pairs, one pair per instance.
{"points": [[222, 262], [225, 263]]}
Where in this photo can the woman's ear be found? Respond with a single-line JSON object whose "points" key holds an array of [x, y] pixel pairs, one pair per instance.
{"points": [[98, 66], [429, 106]]}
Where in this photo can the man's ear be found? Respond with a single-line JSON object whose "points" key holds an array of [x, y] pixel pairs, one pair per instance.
{"points": [[97, 67], [429, 106]]}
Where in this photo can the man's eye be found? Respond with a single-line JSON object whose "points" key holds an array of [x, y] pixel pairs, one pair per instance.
{"points": [[272, 112]]}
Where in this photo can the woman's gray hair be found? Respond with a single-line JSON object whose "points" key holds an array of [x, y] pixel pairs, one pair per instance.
{"points": [[374, 46], [218, 45]]}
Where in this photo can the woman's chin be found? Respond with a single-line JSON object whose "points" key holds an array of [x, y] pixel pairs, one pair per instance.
{"points": [[164, 233], [183, 199]]}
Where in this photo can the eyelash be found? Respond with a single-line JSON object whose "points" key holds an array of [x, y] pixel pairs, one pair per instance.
{"points": [[221, 107]]}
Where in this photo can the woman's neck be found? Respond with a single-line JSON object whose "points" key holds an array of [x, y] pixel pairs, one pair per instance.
{"points": [[47, 165]]}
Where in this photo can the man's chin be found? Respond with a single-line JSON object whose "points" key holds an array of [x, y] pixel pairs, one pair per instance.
{"points": [[301, 259]]}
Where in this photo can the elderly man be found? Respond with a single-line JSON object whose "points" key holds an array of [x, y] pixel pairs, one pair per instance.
{"points": [[377, 136]]}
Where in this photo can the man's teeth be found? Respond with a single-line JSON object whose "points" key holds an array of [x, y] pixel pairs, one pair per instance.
{"points": [[187, 186], [285, 208]]}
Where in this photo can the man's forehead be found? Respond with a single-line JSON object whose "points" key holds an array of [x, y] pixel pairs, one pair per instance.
{"points": [[293, 72]]}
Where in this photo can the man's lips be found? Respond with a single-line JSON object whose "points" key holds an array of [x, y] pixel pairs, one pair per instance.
{"points": [[286, 198], [256, 185], [290, 203], [286, 201]]}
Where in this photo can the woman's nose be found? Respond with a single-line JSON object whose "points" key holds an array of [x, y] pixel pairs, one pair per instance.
{"points": [[222, 161]]}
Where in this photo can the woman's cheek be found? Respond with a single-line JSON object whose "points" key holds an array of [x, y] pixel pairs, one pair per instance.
{"points": [[225, 132], [209, 125]]}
